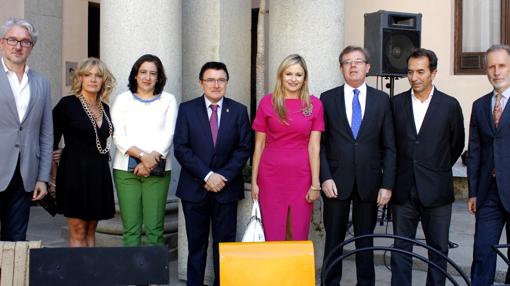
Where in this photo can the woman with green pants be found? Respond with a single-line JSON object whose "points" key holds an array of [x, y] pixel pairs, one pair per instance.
{"points": [[144, 121]]}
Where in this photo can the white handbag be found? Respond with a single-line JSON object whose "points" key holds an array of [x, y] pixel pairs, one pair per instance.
{"points": [[254, 231]]}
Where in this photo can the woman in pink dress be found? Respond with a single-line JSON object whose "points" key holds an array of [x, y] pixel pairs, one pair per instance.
{"points": [[285, 174]]}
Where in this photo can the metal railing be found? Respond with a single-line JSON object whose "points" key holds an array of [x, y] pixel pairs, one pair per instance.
{"points": [[333, 259]]}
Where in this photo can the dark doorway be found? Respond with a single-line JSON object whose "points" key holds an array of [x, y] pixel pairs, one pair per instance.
{"points": [[93, 36]]}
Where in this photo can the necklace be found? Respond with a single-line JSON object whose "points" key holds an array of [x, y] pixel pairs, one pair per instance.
{"points": [[93, 121]]}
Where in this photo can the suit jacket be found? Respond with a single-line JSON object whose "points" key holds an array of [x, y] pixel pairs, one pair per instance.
{"points": [[30, 140], [425, 159], [488, 149], [195, 151], [368, 160]]}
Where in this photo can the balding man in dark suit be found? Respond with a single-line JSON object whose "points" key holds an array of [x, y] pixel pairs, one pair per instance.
{"points": [[489, 165]]}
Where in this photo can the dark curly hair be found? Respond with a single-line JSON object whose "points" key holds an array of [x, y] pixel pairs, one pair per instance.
{"points": [[161, 80]]}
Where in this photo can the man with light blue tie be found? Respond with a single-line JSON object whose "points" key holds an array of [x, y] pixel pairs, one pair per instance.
{"points": [[358, 160], [26, 130]]}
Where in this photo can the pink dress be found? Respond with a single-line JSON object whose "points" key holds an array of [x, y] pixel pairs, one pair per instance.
{"points": [[284, 175]]}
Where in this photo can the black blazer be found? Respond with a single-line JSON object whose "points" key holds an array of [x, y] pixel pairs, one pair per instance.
{"points": [[370, 161], [489, 148], [425, 159], [195, 151]]}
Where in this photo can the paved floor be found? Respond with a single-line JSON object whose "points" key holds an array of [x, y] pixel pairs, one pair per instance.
{"points": [[48, 229]]}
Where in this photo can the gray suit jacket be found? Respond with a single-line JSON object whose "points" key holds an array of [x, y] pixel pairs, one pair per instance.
{"points": [[31, 139]]}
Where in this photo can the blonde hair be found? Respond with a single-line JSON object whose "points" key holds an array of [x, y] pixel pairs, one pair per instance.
{"points": [[84, 67], [279, 90]]}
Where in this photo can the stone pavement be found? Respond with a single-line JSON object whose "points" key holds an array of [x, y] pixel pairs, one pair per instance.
{"points": [[50, 231]]}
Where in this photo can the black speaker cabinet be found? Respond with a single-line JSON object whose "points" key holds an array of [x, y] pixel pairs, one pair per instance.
{"points": [[99, 266], [389, 38]]}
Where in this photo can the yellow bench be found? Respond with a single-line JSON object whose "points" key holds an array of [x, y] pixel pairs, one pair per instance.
{"points": [[276, 263], [14, 261]]}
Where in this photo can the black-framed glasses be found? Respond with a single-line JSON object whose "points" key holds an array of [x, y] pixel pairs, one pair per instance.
{"points": [[212, 81], [13, 42]]}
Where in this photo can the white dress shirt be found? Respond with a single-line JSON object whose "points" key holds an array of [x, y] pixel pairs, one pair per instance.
{"points": [[218, 110], [420, 109], [20, 90], [146, 124], [349, 95]]}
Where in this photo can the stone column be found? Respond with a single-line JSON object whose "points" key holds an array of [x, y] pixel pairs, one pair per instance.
{"points": [[130, 29], [217, 31], [214, 31], [313, 29], [46, 56]]}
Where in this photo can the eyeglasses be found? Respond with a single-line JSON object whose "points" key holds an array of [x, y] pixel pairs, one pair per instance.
{"points": [[212, 81], [353, 62], [24, 43]]}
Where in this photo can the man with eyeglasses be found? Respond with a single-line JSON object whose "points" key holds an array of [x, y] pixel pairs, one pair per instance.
{"points": [[212, 142], [429, 131], [26, 130], [358, 161]]}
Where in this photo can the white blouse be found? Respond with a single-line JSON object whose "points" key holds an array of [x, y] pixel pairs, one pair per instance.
{"points": [[146, 124]]}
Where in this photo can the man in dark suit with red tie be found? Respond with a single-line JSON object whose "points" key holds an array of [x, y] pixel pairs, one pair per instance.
{"points": [[429, 131], [357, 160], [212, 144], [488, 165]]}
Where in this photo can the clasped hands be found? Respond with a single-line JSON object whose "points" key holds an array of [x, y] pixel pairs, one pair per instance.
{"points": [[147, 163], [215, 183]]}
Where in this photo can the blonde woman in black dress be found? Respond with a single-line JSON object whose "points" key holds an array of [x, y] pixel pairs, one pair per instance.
{"points": [[84, 187]]}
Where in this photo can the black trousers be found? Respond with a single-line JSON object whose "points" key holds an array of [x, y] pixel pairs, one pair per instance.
{"points": [[199, 217], [436, 226], [336, 220], [14, 209]]}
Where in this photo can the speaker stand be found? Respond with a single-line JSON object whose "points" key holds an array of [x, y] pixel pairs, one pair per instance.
{"points": [[391, 85]]}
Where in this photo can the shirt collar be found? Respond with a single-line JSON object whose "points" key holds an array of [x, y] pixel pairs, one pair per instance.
{"points": [[505, 93], [362, 88], [428, 99], [6, 69], [207, 102]]}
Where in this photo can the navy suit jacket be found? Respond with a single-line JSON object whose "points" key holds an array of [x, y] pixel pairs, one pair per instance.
{"points": [[369, 160], [195, 151], [489, 148], [425, 159]]}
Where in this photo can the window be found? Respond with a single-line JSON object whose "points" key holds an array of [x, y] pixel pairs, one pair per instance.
{"points": [[478, 25]]}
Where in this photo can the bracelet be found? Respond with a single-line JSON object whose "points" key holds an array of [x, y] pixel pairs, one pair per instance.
{"points": [[315, 189], [141, 155]]}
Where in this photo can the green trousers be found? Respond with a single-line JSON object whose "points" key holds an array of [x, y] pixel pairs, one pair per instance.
{"points": [[142, 201]]}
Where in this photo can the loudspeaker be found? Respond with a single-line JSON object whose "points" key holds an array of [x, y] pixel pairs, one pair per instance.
{"points": [[390, 38], [99, 266]]}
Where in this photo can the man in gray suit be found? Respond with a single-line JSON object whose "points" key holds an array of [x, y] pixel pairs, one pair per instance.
{"points": [[26, 130]]}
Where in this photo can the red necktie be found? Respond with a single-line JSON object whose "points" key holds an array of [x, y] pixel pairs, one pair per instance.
{"points": [[213, 121]]}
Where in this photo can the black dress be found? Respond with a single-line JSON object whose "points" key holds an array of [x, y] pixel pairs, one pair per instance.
{"points": [[84, 181]]}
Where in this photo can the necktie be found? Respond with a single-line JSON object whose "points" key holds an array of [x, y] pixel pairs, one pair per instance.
{"points": [[213, 122], [497, 110], [356, 114]]}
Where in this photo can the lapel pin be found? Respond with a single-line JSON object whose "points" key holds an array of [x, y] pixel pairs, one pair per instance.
{"points": [[227, 110]]}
